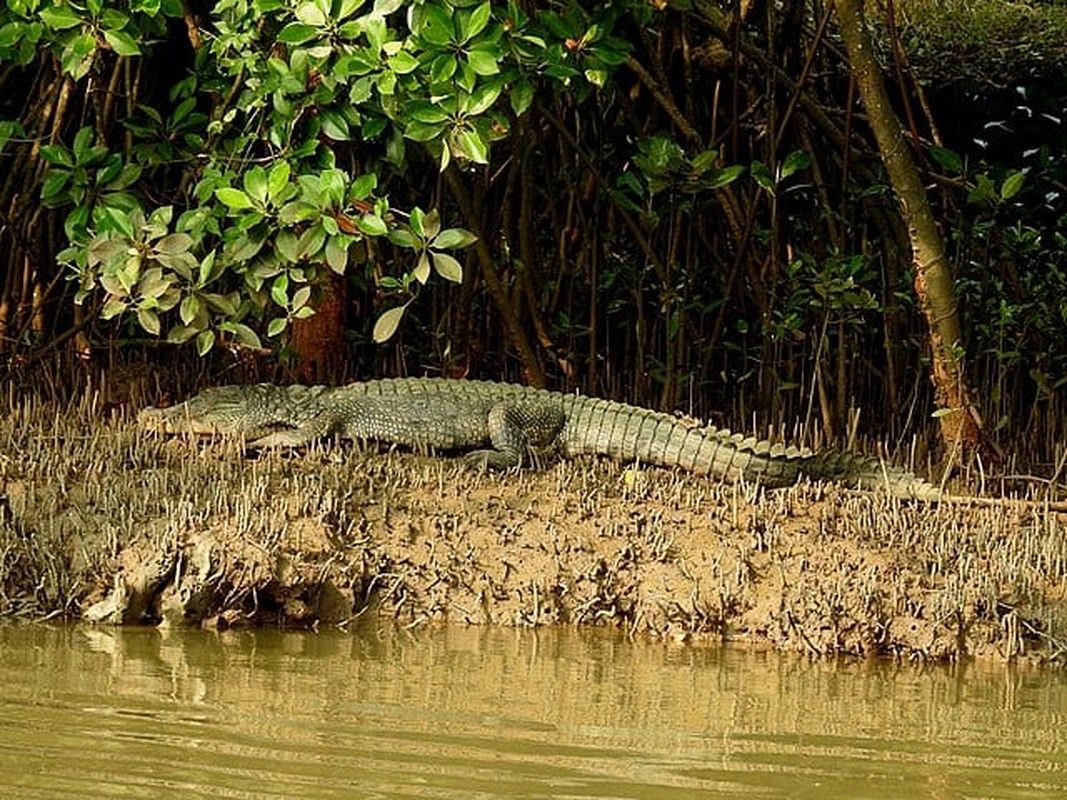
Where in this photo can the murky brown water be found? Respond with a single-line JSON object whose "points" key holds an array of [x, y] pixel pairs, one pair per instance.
{"points": [[470, 713]]}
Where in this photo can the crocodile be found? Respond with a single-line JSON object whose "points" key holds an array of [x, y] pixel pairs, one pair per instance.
{"points": [[502, 425]]}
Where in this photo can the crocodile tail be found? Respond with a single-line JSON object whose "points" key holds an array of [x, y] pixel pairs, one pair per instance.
{"points": [[865, 472]]}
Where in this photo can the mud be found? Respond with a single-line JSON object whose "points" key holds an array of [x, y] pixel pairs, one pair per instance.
{"points": [[102, 523]]}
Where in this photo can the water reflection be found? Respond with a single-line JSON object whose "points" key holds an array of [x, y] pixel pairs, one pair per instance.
{"points": [[466, 712]]}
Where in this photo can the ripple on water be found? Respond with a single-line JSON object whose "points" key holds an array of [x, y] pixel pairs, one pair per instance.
{"points": [[467, 713]]}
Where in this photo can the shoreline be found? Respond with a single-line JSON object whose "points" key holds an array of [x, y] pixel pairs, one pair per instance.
{"points": [[107, 524]]}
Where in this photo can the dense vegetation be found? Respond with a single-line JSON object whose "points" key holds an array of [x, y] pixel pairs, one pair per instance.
{"points": [[677, 203]]}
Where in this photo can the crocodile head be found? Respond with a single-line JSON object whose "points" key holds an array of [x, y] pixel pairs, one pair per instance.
{"points": [[249, 411]]}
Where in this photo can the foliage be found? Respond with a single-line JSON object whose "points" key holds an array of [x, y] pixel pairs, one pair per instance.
{"points": [[676, 203], [985, 41], [814, 293], [287, 120], [1014, 282]]}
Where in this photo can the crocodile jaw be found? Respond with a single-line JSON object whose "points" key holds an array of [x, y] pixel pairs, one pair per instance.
{"points": [[177, 420]]}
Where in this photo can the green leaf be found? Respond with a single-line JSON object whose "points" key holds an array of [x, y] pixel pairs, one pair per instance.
{"points": [[149, 320], [311, 13], [726, 176], [372, 225], [207, 265], [254, 182], [331, 192], [276, 326], [762, 176], [797, 160], [205, 340], [430, 223], [54, 187], [279, 290], [484, 62], [301, 297], [483, 99], [403, 62], [311, 241], [448, 267], [1012, 184], [421, 132], [477, 21], [57, 154], [83, 145], [521, 96], [348, 8], [597, 77], [190, 307], [363, 186], [125, 178], [387, 323], [235, 199], [454, 238], [113, 306], [443, 68], [174, 244], [337, 254], [334, 125], [944, 412], [429, 113], [77, 55], [436, 27], [227, 304], [122, 43], [421, 272], [297, 211], [947, 159], [246, 336], [471, 146], [119, 219], [416, 218], [278, 181], [108, 17], [153, 283], [180, 334], [297, 33], [60, 17], [403, 238], [10, 34]]}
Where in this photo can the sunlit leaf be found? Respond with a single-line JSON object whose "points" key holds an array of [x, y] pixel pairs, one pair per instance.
{"points": [[337, 254], [448, 267], [149, 320], [385, 326], [453, 238], [1012, 184], [431, 223], [276, 326], [372, 225], [421, 273], [797, 160], [122, 43], [235, 199]]}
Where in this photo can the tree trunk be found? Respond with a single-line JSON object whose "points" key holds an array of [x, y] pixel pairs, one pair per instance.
{"points": [[933, 278], [318, 341]]}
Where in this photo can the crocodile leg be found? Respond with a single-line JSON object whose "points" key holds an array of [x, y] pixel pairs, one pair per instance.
{"points": [[318, 427], [520, 431]]}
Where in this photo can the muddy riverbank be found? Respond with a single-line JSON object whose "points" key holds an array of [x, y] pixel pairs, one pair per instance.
{"points": [[100, 522]]}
